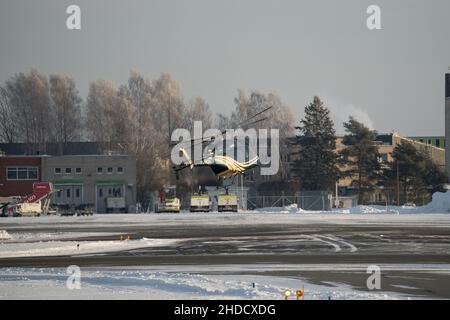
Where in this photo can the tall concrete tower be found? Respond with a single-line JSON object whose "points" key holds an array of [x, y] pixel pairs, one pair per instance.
{"points": [[447, 122]]}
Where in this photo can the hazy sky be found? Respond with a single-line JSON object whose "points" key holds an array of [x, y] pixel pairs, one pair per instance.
{"points": [[391, 78]]}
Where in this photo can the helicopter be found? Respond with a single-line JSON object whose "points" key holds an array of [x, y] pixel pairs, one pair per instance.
{"points": [[222, 165]]}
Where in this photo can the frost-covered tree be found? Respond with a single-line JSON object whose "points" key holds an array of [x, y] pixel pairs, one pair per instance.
{"points": [[198, 110], [8, 129], [280, 116], [29, 98], [66, 109]]}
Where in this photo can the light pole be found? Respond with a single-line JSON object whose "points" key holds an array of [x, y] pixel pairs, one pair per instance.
{"points": [[398, 185]]}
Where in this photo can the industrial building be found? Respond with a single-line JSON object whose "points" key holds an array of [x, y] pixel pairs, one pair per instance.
{"points": [[436, 141], [103, 182], [18, 173]]}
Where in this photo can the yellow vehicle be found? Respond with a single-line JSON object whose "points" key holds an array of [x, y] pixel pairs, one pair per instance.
{"points": [[171, 204], [168, 201], [227, 202], [200, 203]]}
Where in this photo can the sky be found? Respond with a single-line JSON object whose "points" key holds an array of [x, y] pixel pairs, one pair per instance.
{"points": [[391, 79]]}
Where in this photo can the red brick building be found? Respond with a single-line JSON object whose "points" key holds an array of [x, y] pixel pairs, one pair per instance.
{"points": [[18, 173]]}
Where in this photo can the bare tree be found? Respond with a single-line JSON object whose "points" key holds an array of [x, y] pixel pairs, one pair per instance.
{"points": [[168, 104], [30, 99], [66, 109], [280, 116], [198, 110], [8, 128], [101, 100]]}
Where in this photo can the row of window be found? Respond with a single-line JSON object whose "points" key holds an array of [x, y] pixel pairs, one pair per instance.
{"points": [[22, 173], [68, 193], [109, 170], [100, 170], [67, 171], [429, 141], [115, 192], [32, 173]]}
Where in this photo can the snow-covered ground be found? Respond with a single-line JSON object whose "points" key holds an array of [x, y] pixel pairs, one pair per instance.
{"points": [[60, 248], [99, 234], [267, 216], [49, 283]]}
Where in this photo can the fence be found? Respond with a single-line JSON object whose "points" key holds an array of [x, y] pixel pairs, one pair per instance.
{"points": [[318, 201]]}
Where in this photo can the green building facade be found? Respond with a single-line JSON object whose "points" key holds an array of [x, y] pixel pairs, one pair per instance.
{"points": [[436, 141]]}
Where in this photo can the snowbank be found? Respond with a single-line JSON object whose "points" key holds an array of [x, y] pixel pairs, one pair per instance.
{"points": [[4, 235], [61, 248], [439, 204], [293, 208], [37, 283]]}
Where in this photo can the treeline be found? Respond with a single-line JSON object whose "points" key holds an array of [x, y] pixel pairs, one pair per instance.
{"points": [[136, 117], [410, 177]]}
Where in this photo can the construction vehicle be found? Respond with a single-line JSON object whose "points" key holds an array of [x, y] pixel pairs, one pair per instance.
{"points": [[227, 202], [34, 204], [200, 203], [168, 202]]}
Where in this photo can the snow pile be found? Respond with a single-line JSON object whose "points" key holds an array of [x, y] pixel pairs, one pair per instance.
{"points": [[50, 283], [59, 235], [62, 248], [440, 203], [4, 235], [293, 208], [367, 210]]}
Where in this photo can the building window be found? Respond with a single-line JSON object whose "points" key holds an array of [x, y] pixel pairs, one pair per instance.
{"points": [[117, 192], [77, 192], [22, 173], [119, 169], [57, 170], [383, 157], [68, 193], [32, 174], [110, 170], [68, 170], [99, 170], [78, 170], [100, 192]]}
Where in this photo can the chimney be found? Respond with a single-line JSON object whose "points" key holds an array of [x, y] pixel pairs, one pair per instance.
{"points": [[447, 123], [447, 85]]}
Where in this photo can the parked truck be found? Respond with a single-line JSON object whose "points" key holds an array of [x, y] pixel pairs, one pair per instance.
{"points": [[227, 202], [168, 202], [200, 203]]}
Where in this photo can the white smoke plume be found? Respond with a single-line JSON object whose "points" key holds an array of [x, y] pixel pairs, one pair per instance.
{"points": [[341, 111]]}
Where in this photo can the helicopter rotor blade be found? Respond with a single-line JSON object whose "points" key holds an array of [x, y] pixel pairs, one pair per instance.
{"points": [[246, 122]]}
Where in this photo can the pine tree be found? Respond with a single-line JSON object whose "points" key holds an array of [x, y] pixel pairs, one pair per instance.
{"points": [[316, 165], [418, 177], [360, 156]]}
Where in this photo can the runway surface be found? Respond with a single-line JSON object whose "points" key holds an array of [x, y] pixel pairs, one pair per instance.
{"points": [[413, 251]]}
